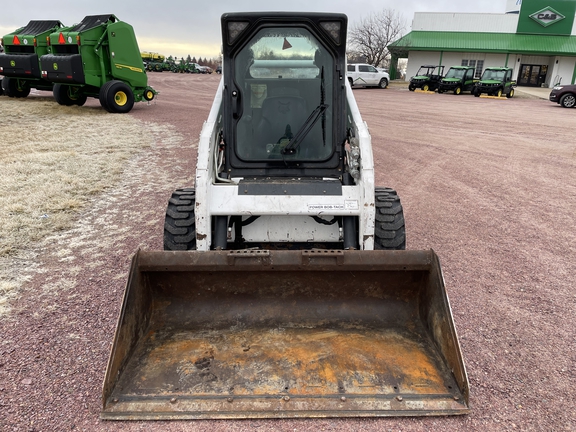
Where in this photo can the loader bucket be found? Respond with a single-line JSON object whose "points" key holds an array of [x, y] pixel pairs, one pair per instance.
{"points": [[269, 334]]}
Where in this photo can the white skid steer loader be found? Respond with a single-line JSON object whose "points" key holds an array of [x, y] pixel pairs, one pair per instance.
{"points": [[284, 289]]}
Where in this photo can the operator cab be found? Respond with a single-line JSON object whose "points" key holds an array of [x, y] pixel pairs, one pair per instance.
{"points": [[284, 81]]}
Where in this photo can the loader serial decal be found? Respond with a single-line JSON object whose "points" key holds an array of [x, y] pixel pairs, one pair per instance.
{"points": [[348, 205], [132, 68]]}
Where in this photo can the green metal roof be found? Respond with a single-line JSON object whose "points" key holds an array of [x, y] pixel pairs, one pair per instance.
{"points": [[484, 42]]}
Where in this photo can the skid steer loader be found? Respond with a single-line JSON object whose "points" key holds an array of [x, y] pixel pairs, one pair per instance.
{"points": [[284, 289]]}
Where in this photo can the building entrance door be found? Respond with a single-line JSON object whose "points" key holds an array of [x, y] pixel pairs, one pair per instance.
{"points": [[532, 75]]}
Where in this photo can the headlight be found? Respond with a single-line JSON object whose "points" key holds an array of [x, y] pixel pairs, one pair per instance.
{"points": [[558, 88]]}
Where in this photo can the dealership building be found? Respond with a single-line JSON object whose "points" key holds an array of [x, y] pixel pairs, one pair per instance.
{"points": [[537, 38]]}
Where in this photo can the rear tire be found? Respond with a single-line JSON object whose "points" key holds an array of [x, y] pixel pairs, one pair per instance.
{"points": [[180, 223], [11, 89], [390, 230], [510, 94], [65, 96], [119, 97], [102, 95]]}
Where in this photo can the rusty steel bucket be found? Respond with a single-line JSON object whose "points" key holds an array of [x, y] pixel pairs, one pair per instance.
{"points": [[268, 334]]}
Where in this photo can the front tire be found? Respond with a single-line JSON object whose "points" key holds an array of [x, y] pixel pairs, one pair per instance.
{"points": [[425, 87], [499, 93], [390, 230], [180, 223], [148, 95], [383, 83], [510, 94], [567, 101], [458, 90]]}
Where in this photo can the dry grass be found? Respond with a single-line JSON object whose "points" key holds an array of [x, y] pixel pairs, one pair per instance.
{"points": [[53, 160]]}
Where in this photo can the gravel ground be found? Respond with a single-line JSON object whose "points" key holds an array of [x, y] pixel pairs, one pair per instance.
{"points": [[489, 184]]}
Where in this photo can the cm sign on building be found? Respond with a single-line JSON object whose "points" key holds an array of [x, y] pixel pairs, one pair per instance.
{"points": [[548, 17]]}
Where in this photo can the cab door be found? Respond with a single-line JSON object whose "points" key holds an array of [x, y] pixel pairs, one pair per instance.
{"points": [[468, 80]]}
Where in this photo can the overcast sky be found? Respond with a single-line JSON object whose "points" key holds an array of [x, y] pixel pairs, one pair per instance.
{"points": [[182, 27]]}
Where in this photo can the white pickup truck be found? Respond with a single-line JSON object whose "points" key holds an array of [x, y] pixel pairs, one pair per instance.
{"points": [[367, 76]]}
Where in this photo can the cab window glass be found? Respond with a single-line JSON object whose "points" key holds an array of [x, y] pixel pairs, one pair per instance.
{"points": [[285, 77]]}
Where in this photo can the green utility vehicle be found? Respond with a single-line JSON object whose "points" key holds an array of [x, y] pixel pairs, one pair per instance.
{"points": [[97, 58], [20, 65], [427, 78], [496, 81], [458, 79]]}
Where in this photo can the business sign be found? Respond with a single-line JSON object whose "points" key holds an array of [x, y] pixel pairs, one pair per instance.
{"points": [[551, 17], [547, 16]]}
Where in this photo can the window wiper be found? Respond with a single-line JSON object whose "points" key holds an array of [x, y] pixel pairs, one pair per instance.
{"points": [[291, 147]]}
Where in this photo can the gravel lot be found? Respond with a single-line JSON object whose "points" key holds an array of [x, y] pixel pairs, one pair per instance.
{"points": [[489, 184]]}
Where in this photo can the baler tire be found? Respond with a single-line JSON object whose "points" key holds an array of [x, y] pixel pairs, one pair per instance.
{"points": [[10, 87], [119, 97], [180, 223], [102, 95], [62, 96], [148, 95], [81, 100], [390, 230]]}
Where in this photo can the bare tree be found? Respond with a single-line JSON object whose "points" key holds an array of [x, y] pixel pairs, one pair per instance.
{"points": [[369, 38]]}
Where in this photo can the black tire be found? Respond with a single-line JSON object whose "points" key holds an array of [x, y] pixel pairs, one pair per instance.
{"points": [[425, 87], [390, 230], [567, 101], [179, 224], [11, 89], [1, 89], [148, 95], [119, 97], [510, 94], [477, 93], [498, 93], [102, 95], [440, 91], [410, 87], [383, 83], [65, 95], [458, 90], [351, 82]]}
